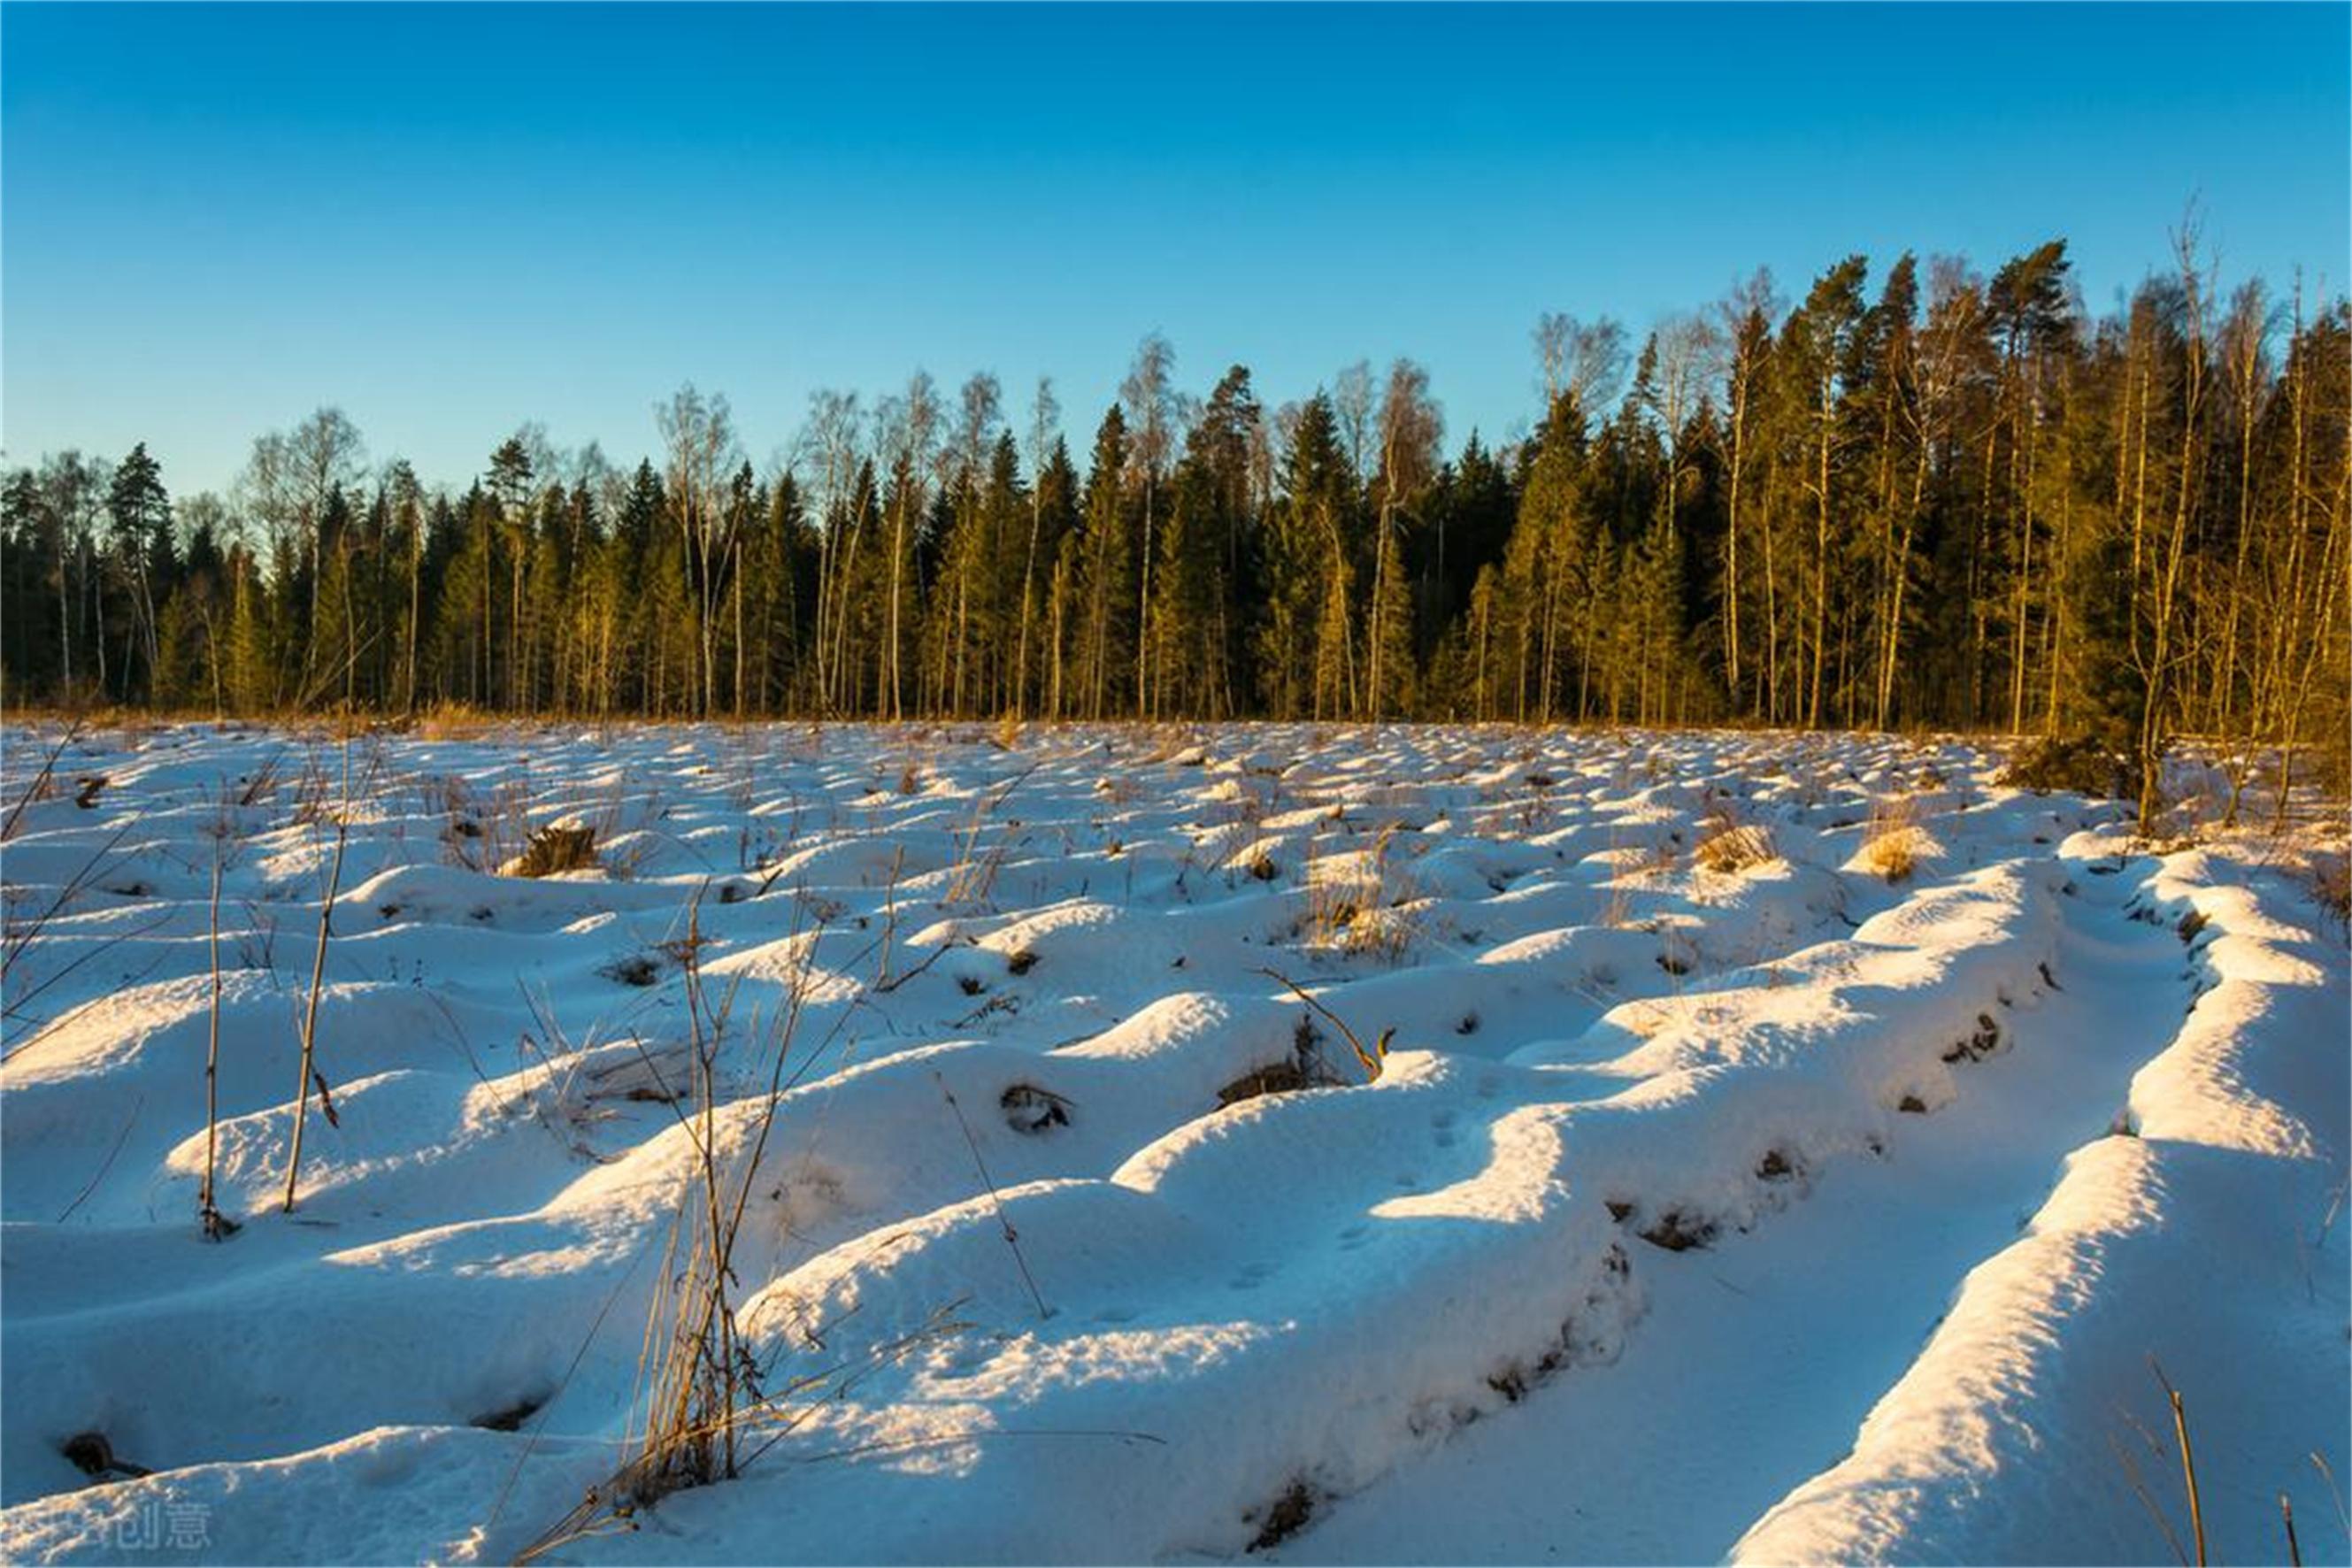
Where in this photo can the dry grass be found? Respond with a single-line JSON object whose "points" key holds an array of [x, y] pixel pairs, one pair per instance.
{"points": [[1617, 911], [1172, 743], [712, 1406], [1362, 903], [1728, 845], [457, 722], [507, 832], [1891, 840], [973, 876], [314, 790], [703, 1376], [555, 848]]}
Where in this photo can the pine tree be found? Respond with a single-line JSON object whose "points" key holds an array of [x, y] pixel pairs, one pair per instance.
{"points": [[1969, 504], [1306, 656], [1105, 574], [30, 628], [140, 556]]}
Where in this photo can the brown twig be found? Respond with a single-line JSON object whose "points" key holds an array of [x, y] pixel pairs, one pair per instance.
{"points": [[2146, 1498], [310, 1011], [1012, 1236], [208, 1215], [1372, 1060], [48, 771], [2188, 1458], [108, 1164]]}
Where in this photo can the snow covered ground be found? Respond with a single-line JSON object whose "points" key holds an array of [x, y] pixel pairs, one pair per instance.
{"points": [[1780, 1147]]}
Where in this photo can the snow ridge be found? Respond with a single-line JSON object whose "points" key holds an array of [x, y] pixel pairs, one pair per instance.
{"points": [[1129, 1259]]}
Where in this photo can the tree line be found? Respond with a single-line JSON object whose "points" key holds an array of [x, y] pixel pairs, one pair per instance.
{"points": [[1961, 499]]}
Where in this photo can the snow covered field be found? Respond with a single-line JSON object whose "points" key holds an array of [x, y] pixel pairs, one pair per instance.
{"points": [[1780, 1147]]}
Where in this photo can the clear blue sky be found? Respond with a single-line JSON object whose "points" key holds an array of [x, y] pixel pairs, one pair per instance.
{"points": [[450, 219]]}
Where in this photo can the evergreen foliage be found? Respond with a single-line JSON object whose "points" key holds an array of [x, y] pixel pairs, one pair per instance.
{"points": [[1962, 501]]}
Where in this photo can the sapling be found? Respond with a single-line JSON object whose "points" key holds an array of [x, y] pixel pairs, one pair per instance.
{"points": [[217, 1225], [310, 1011]]}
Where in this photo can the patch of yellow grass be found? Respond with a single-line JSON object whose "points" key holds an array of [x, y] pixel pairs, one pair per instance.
{"points": [[1891, 840], [1728, 845]]}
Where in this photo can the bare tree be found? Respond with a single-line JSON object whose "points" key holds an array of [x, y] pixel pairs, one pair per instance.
{"points": [[1410, 427], [699, 435], [982, 410], [322, 453], [2244, 346], [909, 434], [1152, 414], [1586, 361], [2154, 652], [73, 492], [1942, 356], [1353, 401], [1688, 353], [827, 449], [1746, 317], [1045, 416]]}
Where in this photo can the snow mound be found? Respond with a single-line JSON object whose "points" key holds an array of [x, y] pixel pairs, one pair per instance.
{"points": [[1412, 1144]]}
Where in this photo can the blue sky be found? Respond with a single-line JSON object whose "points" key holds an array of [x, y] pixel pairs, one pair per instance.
{"points": [[450, 219]]}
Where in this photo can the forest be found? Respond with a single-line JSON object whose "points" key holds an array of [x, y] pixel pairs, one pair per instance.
{"points": [[1936, 498]]}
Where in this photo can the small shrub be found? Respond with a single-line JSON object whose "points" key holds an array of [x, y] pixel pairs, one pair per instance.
{"points": [[1281, 1078], [557, 847], [93, 1456], [1984, 1042], [1306, 1069], [1285, 1517], [1031, 1110], [633, 969], [1678, 1232], [2076, 764]]}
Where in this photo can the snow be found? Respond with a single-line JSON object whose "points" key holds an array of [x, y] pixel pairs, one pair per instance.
{"points": [[1750, 1205]]}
